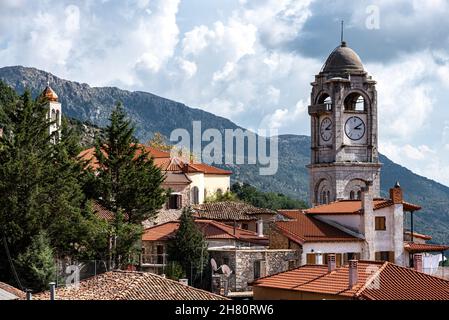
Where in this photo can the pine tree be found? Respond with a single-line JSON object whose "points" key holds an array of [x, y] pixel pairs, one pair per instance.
{"points": [[189, 247], [37, 264], [41, 188]]}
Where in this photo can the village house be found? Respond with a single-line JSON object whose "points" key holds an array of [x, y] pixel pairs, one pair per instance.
{"points": [[128, 285], [240, 214], [190, 183], [357, 280], [245, 252], [368, 229]]}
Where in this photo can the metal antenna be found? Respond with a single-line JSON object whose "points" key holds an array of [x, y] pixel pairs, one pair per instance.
{"points": [[342, 30]]}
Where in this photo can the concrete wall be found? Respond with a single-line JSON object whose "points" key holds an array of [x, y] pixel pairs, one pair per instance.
{"points": [[330, 247], [214, 182], [197, 181]]}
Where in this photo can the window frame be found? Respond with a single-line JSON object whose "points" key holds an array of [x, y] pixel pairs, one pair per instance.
{"points": [[380, 223]]}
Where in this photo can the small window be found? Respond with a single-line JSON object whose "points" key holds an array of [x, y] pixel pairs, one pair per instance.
{"points": [[385, 256], [257, 269], [195, 195], [380, 224], [291, 264], [311, 258], [174, 201], [245, 226]]}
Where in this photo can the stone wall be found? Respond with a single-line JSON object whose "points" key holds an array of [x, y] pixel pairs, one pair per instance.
{"points": [[242, 263]]}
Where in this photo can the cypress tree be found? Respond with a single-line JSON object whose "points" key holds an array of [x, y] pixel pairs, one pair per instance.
{"points": [[189, 247]]}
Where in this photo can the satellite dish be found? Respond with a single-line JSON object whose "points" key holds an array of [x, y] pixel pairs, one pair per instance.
{"points": [[213, 264], [226, 270]]}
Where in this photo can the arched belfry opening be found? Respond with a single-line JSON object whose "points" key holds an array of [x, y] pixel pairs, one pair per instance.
{"points": [[355, 102], [326, 101]]}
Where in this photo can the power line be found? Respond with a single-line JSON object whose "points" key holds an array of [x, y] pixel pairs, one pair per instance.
{"points": [[16, 276]]}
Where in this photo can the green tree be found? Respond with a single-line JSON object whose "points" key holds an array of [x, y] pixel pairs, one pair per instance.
{"points": [[37, 264], [128, 182], [220, 196], [40, 185], [270, 200], [189, 247]]}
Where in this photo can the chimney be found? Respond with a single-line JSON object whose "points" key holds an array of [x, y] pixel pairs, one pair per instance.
{"points": [[52, 290], [28, 294], [184, 281], [367, 198], [417, 262], [331, 262], [260, 228], [396, 194], [353, 273]]}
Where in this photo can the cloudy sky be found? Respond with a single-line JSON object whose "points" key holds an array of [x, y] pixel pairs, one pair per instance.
{"points": [[251, 61]]}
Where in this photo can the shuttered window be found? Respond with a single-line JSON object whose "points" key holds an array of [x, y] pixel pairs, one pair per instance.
{"points": [[174, 201], [311, 258], [385, 256], [380, 223]]}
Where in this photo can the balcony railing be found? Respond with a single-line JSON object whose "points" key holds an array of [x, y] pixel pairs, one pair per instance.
{"points": [[154, 259], [320, 108]]}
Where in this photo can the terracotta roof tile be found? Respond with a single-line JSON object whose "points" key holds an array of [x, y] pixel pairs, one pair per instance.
{"points": [[425, 247], [211, 230], [229, 211], [8, 292], [161, 159], [395, 282], [103, 213], [126, 285], [303, 228], [355, 207], [419, 235]]}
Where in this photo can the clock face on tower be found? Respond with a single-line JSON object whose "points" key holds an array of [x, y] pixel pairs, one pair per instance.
{"points": [[355, 128], [326, 129]]}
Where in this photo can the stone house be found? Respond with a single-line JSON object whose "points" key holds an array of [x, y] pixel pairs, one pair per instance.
{"points": [[245, 252], [240, 214]]}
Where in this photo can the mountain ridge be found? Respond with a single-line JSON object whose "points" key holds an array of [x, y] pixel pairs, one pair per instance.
{"points": [[152, 113]]}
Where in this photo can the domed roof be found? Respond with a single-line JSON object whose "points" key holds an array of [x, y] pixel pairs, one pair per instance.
{"points": [[342, 60], [49, 94]]}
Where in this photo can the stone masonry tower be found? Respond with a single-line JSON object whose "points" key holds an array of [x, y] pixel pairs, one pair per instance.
{"points": [[343, 112]]}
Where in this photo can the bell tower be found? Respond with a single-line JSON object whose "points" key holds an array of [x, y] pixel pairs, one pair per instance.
{"points": [[54, 112], [343, 113]]}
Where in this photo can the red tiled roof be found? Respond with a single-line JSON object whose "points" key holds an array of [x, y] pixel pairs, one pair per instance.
{"points": [[419, 235], [425, 247], [307, 229], [126, 285], [207, 169], [355, 207], [400, 283], [211, 230], [161, 232], [230, 210], [103, 213], [19, 294], [376, 281], [162, 160], [49, 94]]}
